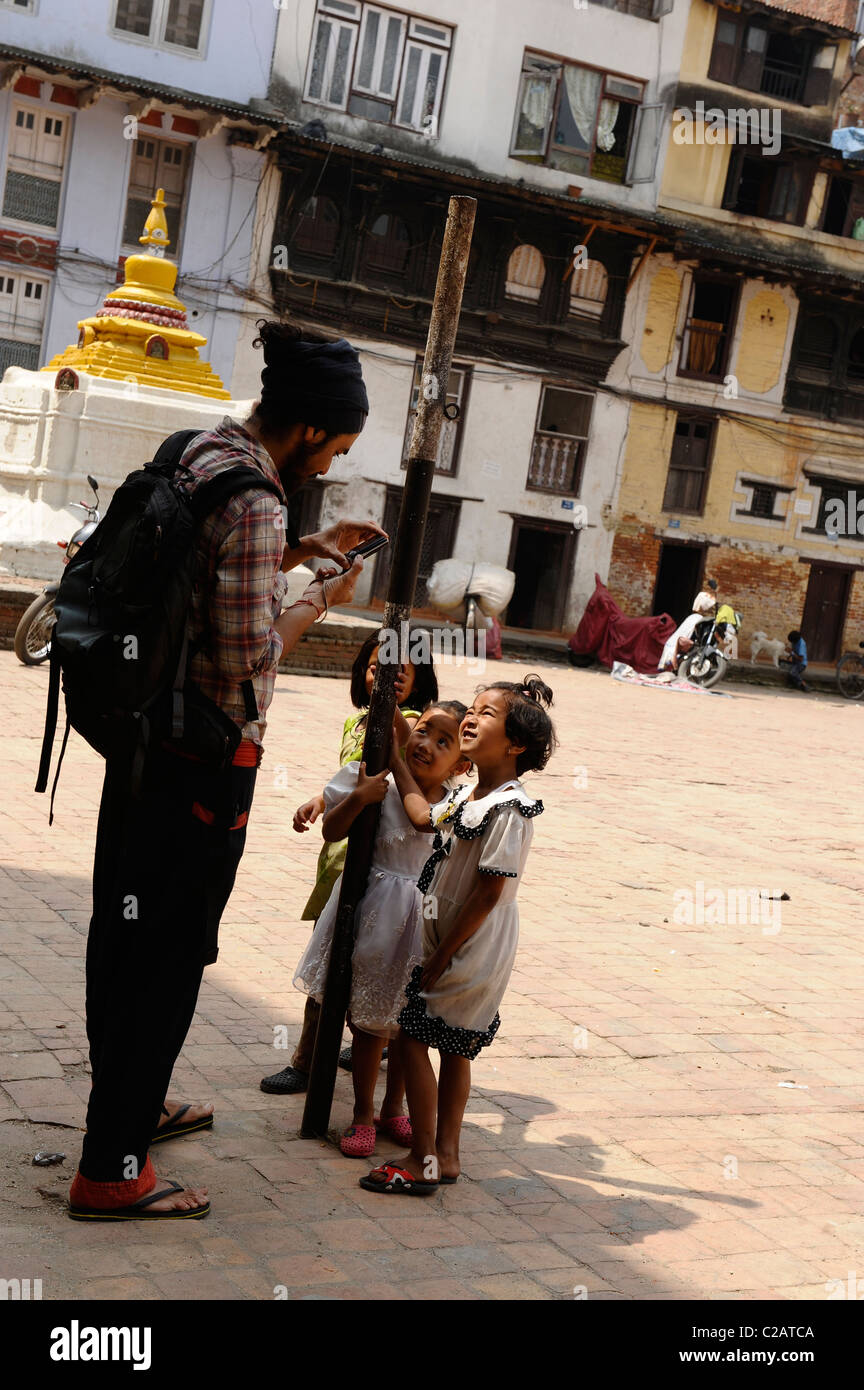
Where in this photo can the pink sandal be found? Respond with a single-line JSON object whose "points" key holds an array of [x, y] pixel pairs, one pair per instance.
{"points": [[397, 1128], [358, 1141]]}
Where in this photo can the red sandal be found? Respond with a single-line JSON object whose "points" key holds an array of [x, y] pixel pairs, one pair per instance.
{"points": [[397, 1128], [358, 1141]]}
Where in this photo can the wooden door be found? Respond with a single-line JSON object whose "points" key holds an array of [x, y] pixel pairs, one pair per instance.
{"points": [[541, 557], [825, 611]]}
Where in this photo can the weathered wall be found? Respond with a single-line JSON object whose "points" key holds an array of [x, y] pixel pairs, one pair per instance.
{"points": [[491, 37], [490, 482]]}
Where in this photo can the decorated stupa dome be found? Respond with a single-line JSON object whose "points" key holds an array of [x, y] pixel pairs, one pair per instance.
{"points": [[141, 333]]}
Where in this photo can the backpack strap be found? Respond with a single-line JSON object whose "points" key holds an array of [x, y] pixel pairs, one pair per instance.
{"points": [[208, 497], [51, 709], [215, 492]]}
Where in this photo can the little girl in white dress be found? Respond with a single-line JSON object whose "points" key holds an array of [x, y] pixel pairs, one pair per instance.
{"points": [[470, 921], [388, 932]]}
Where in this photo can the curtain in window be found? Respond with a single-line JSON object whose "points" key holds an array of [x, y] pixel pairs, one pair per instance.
{"points": [[606, 124], [704, 346], [581, 90]]}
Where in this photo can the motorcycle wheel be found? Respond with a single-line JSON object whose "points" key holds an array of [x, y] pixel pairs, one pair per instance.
{"points": [[703, 669], [850, 675], [33, 633]]}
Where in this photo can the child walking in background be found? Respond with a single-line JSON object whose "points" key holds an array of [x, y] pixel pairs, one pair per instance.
{"points": [[482, 838], [416, 687], [389, 921]]}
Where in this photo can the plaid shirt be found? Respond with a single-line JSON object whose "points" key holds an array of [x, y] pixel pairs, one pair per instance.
{"points": [[239, 585]]}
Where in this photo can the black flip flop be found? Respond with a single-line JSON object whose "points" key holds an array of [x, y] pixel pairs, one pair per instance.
{"points": [[137, 1211], [177, 1127]]}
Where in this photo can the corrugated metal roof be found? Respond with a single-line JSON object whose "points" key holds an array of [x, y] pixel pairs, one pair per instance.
{"points": [[46, 62]]}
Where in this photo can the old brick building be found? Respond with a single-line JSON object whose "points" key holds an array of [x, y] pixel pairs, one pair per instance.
{"points": [[745, 326]]}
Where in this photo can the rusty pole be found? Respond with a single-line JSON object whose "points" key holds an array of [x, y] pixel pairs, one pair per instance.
{"points": [[440, 341]]}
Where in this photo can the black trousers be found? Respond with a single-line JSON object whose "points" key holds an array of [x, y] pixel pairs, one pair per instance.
{"points": [[164, 869]]}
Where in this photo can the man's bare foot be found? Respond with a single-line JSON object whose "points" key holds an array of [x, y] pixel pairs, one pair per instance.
{"points": [[178, 1201], [192, 1116]]}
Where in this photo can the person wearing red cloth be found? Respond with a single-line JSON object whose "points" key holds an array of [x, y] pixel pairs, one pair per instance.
{"points": [[165, 863]]}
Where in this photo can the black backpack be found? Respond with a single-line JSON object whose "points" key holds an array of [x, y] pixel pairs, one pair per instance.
{"points": [[120, 641]]}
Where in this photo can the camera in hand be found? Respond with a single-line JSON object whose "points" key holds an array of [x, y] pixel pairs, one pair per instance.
{"points": [[366, 549]]}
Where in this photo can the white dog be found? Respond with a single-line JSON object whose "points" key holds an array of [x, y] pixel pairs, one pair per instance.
{"points": [[763, 643]]}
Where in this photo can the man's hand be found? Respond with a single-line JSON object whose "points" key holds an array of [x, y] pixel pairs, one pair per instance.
{"points": [[308, 813], [371, 789], [332, 543], [338, 587]]}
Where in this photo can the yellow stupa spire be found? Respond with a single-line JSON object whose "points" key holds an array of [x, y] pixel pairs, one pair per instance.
{"points": [[141, 333], [156, 227]]}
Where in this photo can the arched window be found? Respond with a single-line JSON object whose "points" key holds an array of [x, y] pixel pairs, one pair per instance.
{"points": [[387, 245], [526, 271], [317, 229], [588, 286], [817, 336]]}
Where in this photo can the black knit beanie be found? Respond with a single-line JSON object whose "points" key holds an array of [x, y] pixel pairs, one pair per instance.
{"points": [[318, 383]]}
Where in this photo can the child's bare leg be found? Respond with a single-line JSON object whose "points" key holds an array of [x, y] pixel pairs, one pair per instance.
{"points": [[454, 1084], [367, 1049], [421, 1089], [394, 1095]]}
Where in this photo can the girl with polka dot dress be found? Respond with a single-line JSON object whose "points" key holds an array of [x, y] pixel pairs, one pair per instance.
{"points": [[471, 920]]}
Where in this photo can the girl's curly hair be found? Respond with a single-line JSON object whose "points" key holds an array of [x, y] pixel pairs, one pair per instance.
{"points": [[527, 722]]}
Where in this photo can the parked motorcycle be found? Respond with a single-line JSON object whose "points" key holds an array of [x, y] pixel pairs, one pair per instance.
{"points": [[33, 633], [706, 663]]}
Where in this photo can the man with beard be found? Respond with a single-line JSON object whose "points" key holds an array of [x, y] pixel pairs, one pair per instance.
{"points": [[166, 860]]}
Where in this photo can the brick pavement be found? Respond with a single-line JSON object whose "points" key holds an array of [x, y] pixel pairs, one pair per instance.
{"points": [[671, 1109]]}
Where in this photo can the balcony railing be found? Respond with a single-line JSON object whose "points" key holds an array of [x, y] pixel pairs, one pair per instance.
{"points": [[831, 402], [781, 80], [555, 463]]}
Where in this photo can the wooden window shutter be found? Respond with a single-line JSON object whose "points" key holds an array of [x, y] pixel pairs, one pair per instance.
{"points": [[733, 179], [817, 88], [753, 52], [724, 54]]}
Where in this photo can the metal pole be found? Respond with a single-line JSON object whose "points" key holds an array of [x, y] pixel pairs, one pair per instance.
{"points": [[400, 596]]}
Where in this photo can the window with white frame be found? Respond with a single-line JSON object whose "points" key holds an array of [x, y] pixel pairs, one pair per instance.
{"points": [[378, 64], [575, 118], [22, 315], [450, 438], [156, 164], [34, 168], [18, 5], [166, 23], [560, 440]]}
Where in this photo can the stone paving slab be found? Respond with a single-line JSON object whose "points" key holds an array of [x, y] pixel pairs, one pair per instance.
{"points": [[672, 1109]]}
